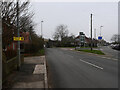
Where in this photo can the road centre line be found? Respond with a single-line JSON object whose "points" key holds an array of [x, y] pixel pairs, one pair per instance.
{"points": [[91, 64]]}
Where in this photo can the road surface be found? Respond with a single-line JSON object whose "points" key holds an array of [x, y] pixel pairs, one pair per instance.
{"points": [[109, 51], [72, 69]]}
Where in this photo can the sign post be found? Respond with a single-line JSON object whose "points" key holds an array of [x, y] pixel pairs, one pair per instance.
{"points": [[100, 38], [0, 47]]}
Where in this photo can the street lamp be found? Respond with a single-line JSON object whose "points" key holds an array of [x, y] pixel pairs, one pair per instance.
{"points": [[100, 36], [41, 28], [100, 29], [95, 33]]}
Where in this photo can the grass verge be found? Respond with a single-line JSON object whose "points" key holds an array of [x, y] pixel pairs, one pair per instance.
{"points": [[93, 51]]}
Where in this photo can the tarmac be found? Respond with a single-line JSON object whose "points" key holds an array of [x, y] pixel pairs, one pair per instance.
{"points": [[32, 74]]}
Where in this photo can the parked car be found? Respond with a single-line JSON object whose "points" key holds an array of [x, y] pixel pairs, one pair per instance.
{"points": [[115, 46]]}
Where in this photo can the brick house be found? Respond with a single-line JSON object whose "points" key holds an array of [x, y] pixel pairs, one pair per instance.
{"points": [[83, 41]]}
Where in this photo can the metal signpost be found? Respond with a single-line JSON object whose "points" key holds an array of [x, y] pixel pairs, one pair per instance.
{"points": [[18, 59], [100, 38], [0, 47]]}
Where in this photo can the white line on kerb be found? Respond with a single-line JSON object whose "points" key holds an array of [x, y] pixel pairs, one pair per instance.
{"points": [[91, 64]]}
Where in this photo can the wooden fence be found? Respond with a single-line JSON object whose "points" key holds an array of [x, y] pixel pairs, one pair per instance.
{"points": [[9, 66]]}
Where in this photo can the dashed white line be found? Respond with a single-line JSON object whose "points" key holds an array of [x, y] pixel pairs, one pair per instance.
{"points": [[91, 64]]}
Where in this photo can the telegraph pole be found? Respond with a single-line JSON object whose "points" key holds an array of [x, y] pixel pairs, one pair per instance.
{"points": [[91, 32], [18, 32]]}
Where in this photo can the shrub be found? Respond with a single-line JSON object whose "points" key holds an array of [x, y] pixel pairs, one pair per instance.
{"points": [[35, 45]]}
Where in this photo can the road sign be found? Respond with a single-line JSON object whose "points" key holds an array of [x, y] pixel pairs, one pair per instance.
{"points": [[18, 38], [100, 37]]}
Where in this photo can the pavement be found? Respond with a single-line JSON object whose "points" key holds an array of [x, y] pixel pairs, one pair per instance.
{"points": [[32, 74], [74, 69]]}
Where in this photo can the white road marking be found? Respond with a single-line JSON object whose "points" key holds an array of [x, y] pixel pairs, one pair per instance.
{"points": [[115, 59], [110, 58], [91, 64], [106, 57]]}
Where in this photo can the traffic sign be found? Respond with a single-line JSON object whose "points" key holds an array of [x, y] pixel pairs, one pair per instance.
{"points": [[100, 37], [18, 38]]}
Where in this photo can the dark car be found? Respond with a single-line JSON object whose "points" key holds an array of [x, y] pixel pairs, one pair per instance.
{"points": [[117, 47]]}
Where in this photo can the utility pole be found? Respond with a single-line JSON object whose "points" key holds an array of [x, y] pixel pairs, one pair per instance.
{"points": [[95, 33], [41, 29], [91, 32], [18, 32]]}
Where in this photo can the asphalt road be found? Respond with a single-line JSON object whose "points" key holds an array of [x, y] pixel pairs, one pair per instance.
{"points": [[71, 69], [109, 51]]}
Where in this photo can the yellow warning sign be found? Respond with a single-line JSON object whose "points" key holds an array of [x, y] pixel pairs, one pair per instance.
{"points": [[18, 38]]}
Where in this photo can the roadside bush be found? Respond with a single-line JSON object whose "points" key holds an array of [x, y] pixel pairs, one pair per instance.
{"points": [[37, 43]]}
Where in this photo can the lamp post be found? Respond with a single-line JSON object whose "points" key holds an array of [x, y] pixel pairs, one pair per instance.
{"points": [[95, 33], [100, 29], [41, 29], [100, 35]]}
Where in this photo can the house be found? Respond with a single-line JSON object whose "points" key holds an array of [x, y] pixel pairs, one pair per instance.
{"points": [[83, 41]]}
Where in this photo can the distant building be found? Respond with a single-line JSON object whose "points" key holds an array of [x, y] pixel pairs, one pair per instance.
{"points": [[83, 41]]}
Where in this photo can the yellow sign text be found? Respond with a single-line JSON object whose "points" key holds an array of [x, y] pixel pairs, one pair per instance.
{"points": [[18, 38]]}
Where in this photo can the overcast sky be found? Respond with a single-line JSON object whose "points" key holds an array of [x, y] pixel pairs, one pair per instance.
{"points": [[76, 15]]}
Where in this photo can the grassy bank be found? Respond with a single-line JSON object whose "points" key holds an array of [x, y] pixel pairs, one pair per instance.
{"points": [[93, 51]]}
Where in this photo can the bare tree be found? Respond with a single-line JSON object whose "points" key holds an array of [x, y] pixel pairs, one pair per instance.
{"points": [[9, 19], [61, 32], [115, 38]]}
